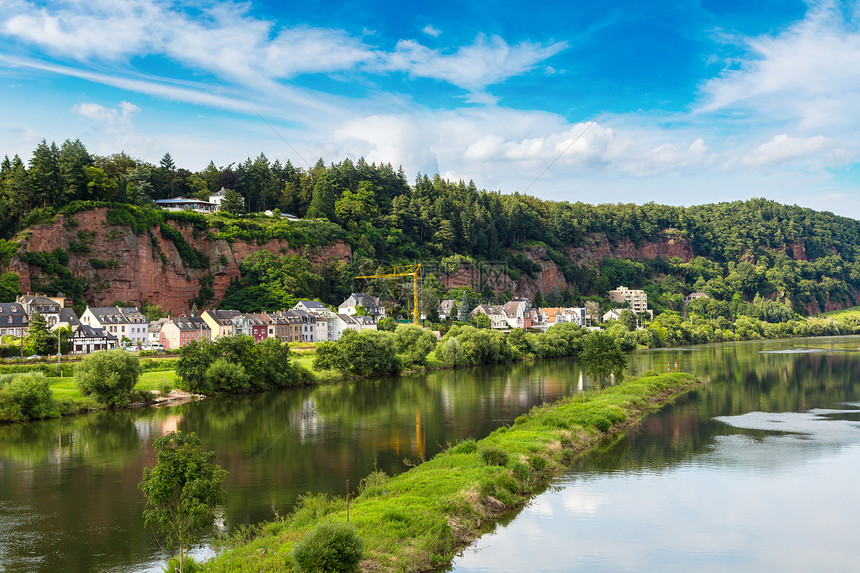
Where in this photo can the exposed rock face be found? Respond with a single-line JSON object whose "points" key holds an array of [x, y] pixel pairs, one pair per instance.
{"points": [[140, 274], [598, 248], [812, 307], [550, 278]]}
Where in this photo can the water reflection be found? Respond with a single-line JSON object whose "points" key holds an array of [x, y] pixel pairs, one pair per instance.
{"points": [[754, 471], [68, 488]]}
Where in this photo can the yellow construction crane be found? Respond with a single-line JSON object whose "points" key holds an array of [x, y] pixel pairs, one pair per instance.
{"points": [[405, 271]]}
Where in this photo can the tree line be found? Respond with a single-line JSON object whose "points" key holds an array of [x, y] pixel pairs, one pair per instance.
{"points": [[795, 256]]}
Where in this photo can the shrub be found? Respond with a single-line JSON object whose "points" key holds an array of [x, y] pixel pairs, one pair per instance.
{"points": [[521, 419], [494, 456], [165, 388], [522, 472], [189, 565], [538, 463], [374, 481], [332, 548], [311, 508], [109, 375], [467, 446], [33, 396], [225, 376]]}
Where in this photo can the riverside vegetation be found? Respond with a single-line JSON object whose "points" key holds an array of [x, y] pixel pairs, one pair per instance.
{"points": [[238, 365], [418, 520]]}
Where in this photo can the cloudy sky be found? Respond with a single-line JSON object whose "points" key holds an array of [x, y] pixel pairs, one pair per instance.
{"points": [[677, 101]]}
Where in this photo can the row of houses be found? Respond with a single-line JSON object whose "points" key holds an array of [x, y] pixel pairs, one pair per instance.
{"points": [[519, 313], [101, 328], [308, 321]]}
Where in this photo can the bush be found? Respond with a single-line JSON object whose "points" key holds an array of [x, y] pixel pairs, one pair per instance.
{"points": [[109, 375], [467, 446], [26, 397], [522, 472], [225, 376], [189, 565], [331, 548], [538, 463], [494, 456], [33, 396]]}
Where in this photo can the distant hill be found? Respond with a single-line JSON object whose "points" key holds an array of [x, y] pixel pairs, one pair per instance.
{"points": [[79, 224]]}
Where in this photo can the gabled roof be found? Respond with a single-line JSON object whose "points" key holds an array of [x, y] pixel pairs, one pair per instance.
{"points": [[180, 201], [85, 331], [12, 309], [117, 314], [156, 325], [223, 317], [68, 316], [186, 323], [347, 319], [312, 305], [36, 299]]}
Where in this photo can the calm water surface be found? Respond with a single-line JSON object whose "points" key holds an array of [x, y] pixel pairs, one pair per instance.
{"points": [[757, 471], [68, 488], [753, 472]]}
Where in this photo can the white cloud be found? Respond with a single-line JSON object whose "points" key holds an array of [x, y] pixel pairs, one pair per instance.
{"points": [[111, 118], [225, 40], [486, 62], [809, 73], [783, 148], [431, 31]]}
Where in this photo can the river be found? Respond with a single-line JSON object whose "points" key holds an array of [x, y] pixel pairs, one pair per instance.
{"points": [[69, 498], [756, 471]]}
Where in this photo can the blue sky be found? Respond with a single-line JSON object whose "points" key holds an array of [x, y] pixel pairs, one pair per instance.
{"points": [[678, 102]]}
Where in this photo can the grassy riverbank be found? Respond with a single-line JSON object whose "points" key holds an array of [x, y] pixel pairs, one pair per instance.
{"points": [[418, 520]]}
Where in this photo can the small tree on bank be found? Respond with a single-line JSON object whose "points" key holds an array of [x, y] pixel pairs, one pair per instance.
{"points": [[601, 356], [181, 490], [109, 375]]}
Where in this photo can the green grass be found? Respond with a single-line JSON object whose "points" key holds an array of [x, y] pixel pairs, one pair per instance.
{"points": [[64, 388], [417, 520], [853, 311]]}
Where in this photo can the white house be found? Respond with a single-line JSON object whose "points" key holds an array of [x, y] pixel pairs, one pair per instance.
{"points": [[371, 304], [120, 321]]}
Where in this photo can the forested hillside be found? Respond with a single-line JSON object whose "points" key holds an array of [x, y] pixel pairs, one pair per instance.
{"points": [[560, 252]]}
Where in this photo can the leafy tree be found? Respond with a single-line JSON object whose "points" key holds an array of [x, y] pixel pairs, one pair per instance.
{"points": [[328, 356], [225, 376], [414, 343], [370, 353], [482, 320], [26, 397], [9, 287], [386, 324], [233, 203], [273, 367], [109, 375], [39, 340], [181, 490], [601, 357]]}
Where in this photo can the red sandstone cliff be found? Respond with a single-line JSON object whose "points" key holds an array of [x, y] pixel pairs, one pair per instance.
{"points": [[140, 274]]}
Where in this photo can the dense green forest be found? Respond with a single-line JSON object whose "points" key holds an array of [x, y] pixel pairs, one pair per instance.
{"points": [[758, 255]]}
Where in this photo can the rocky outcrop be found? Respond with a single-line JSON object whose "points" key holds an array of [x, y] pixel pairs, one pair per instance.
{"points": [[550, 278], [598, 247], [134, 269]]}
